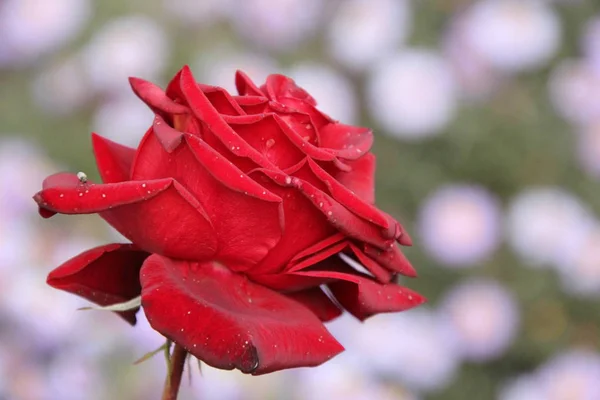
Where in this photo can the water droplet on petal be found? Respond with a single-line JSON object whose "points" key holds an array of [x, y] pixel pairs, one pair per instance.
{"points": [[270, 143]]}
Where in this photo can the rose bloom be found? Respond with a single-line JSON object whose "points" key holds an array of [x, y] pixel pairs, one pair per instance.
{"points": [[237, 207]]}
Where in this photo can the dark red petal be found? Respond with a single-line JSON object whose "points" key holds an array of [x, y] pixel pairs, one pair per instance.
{"points": [[351, 201], [291, 282], [252, 104], [392, 259], [247, 218], [304, 225], [205, 112], [245, 86], [155, 97], [318, 302], [280, 86], [362, 296], [229, 322], [349, 142], [159, 216], [361, 179], [318, 257], [382, 274], [331, 240], [114, 160], [104, 275], [344, 220], [265, 135], [221, 100]]}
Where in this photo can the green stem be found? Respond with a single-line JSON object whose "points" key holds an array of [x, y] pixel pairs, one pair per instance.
{"points": [[177, 362]]}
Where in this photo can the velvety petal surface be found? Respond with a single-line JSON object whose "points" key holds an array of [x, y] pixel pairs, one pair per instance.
{"points": [[247, 218], [113, 159], [104, 275], [143, 211], [229, 322]]}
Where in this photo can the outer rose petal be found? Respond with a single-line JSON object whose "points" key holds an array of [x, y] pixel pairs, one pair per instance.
{"points": [[229, 322], [245, 86], [318, 302], [155, 97], [105, 275], [114, 160], [361, 295], [361, 179], [280, 86], [143, 211], [247, 218]]}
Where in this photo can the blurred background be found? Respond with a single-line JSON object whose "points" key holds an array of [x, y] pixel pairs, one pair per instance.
{"points": [[487, 122]]}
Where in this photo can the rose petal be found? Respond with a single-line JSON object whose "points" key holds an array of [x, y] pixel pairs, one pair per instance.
{"points": [[350, 200], [143, 211], [264, 134], [245, 86], [318, 302], [361, 295], [280, 86], [360, 179], [114, 160], [221, 100], [229, 322], [349, 142], [298, 233], [104, 275], [155, 97], [382, 274], [392, 259], [205, 112], [234, 202]]}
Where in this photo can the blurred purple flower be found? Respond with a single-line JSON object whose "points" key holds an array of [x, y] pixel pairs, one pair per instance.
{"points": [[513, 35], [364, 31], [412, 94], [481, 319], [571, 375], [459, 225]]}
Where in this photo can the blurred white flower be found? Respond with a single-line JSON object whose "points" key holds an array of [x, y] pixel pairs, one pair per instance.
{"points": [[481, 319], [124, 119], [591, 43], [30, 28], [278, 25], [580, 269], [126, 46], [363, 31], [62, 88], [513, 35], [571, 375], [474, 74], [525, 387], [217, 67], [412, 94], [460, 225], [588, 149], [198, 13], [544, 223], [409, 347], [333, 92], [575, 91]]}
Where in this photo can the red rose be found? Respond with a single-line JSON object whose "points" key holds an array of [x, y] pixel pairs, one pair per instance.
{"points": [[239, 209]]}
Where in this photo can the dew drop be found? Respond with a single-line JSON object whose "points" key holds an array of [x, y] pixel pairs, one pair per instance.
{"points": [[270, 143], [80, 194], [288, 180], [103, 195], [143, 185], [82, 177], [321, 204]]}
